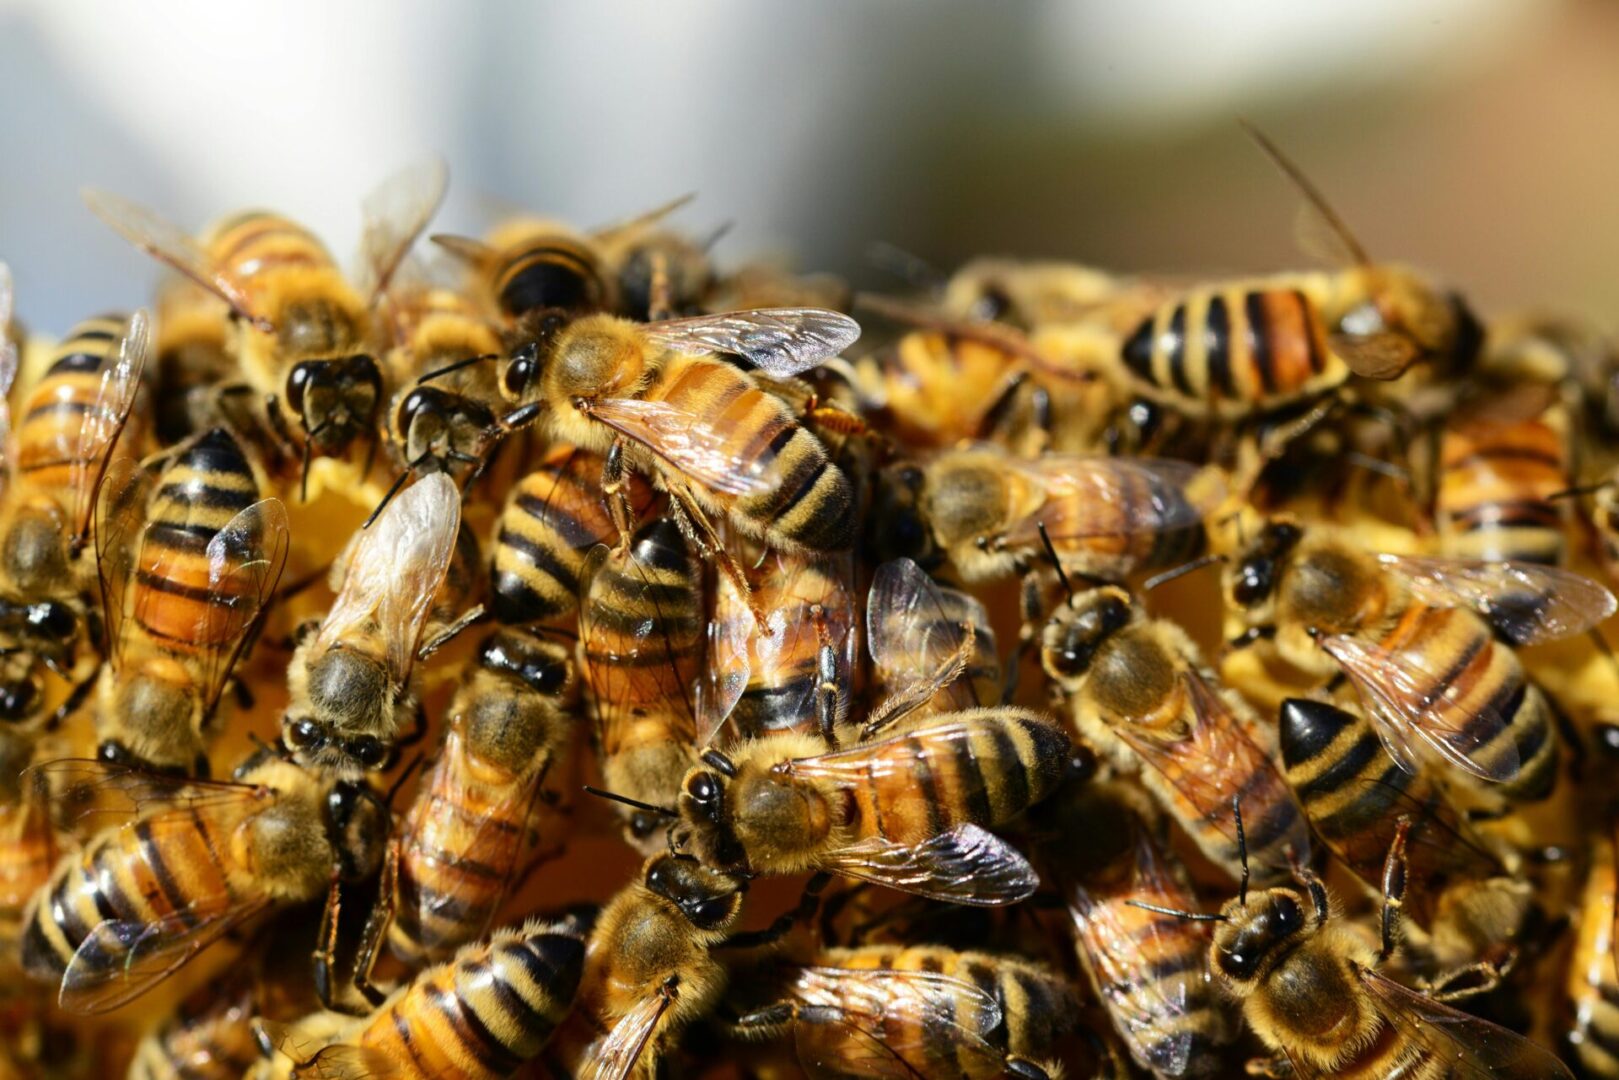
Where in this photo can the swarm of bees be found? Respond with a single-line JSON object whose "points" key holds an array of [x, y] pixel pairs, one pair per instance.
{"points": [[557, 654]]}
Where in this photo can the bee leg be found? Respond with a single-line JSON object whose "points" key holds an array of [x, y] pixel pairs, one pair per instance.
{"points": [[1479, 978], [471, 617], [1269, 1068], [376, 928], [325, 954], [708, 541], [70, 705], [660, 291], [826, 671], [615, 491], [807, 906], [1395, 873], [766, 1021]]}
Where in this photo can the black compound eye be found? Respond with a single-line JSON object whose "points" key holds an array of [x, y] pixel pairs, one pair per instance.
{"points": [[703, 787], [1253, 584], [368, 750], [415, 401], [520, 370], [546, 677], [1238, 964], [52, 619], [1607, 739], [710, 913], [305, 735], [362, 368], [1288, 916], [299, 379]]}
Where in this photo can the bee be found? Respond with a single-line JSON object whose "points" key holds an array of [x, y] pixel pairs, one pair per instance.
{"points": [[1418, 639], [651, 398], [194, 860], [932, 647], [649, 970], [350, 681], [909, 810], [191, 351], [1310, 989], [530, 264], [553, 517], [72, 420], [1150, 973], [1235, 350], [30, 843], [186, 570], [300, 331], [884, 1011], [658, 272], [771, 285], [1593, 983], [209, 1037], [1034, 293], [641, 638], [478, 1016], [462, 843], [1138, 693]]}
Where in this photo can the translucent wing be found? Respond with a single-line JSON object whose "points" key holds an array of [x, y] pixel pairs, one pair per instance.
{"points": [[922, 638], [1216, 761], [731, 633], [1096, 497], [891, 1024], [780, 341], [1328, 228], [86, 787], [1467, 1046], [169, 244], [643, 220], [1382, 355], [395, 215], [344, 1061], [104, 421], [245, 560], [1526, 602], [614, 1057], [1405, 699], [394, 570], [119, 961], [688, 441], [120, 506], [967, 865], [792, 589]]}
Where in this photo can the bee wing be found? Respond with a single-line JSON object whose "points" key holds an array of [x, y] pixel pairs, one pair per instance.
{"points": [[967, 865], [1216, 761], [614, 1057], [1469, 1047], [121, 960], [687, 441], [104, 421], [1384, 355], [1398, 697], [245, 560], [87, 786], [1144, 495], [922, 638], [888, 1024], [120, 506], [629, 226], [728, 664], [1527, 602], [168, 243], [826, 581], [396, 568], [395, 215], [779, 341]]}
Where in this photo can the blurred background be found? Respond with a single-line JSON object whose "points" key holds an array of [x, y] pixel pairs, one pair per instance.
{"points": [[1474, 138]]}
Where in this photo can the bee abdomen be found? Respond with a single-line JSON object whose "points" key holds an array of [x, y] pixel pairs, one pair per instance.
{"points": [[55, 410], [553, 273]]}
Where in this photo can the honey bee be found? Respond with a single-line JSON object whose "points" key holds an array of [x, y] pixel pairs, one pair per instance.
{"points": [[932, 647], [658, 272], [479, 1016], [301, 332], [191, 351], [1593, 984], [553, 517], [649, 970], [194, 860], [1234, 350], [1150, 974], [651, 398], [1033, 293], [910, 810], [1137, 690], [885, 1011], [462, 843], [641, 637], [350, 682], [72, 420], [210, 1037], [529, 264], [1417, 638], [1310, 989], [186, 570]]}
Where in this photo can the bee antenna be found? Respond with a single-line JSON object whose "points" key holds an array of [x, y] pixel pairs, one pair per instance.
{"points": [[466, 361], [716, 236], [404, 776], [1242, 848], [393, 489], [719, 762], [1311, 193], [1189, 916], [1180, 571], [1051, 550], [613, 796], [1581, 489]]}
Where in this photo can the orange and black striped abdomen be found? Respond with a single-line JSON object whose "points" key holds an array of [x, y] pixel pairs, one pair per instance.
{"points": [[805, 501], [55, 410], [210, 1038], [554, 516], [28, 853], [1235, 351], [1496, 485], [939, 390], [254, 242], [548, 271], [981, 767], [1477, 683], [1593, 982], [807, 604], [207, 484], [1097, 525], [486, 1012]]}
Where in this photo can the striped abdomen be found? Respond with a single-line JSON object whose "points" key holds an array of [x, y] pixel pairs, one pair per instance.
{"points": [[28, 852], [199, 492], [554, 516], [805, 501], [1095, 533], [1496, 482], [55, 409], [210, 1039], [1593, 983], [1235, 351], [537, 267], [1474, 674], [254, 242], [941, 390], [486, 1012], [981, 767]]}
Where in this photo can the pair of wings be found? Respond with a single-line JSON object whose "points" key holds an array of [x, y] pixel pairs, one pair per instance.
{"points": [[1216, 761], [963, 865], [395, 214], [394, 570], [119, 960], [245, 559], [1526, 603]]}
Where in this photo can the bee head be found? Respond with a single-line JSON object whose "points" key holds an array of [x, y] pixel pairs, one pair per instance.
{"points": [[709, 899], [705, 816], [347, 712], [1253, 577], [897, 503], [1073, 635], [334, 399], [1257, 932], [966, 496]]}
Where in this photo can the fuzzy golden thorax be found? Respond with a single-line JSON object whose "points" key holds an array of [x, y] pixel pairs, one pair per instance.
{"points": [[760, 819]]}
